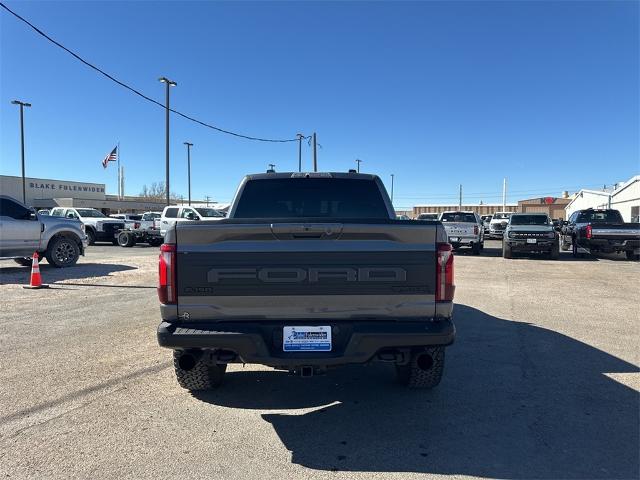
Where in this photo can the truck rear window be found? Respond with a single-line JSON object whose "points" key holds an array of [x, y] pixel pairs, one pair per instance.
{"points": [[310, 198], [458, 217], [600, 216]]}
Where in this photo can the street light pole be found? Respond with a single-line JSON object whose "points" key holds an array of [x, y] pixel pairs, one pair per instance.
{"points": [[24, 183], [358, 161], [189, 145], [168, 83], [300, 137], [392, 176]]}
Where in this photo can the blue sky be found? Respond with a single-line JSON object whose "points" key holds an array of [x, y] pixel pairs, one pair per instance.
{"points": [[543, 93]]}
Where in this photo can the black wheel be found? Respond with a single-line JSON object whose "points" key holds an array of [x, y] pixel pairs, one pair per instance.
{"points": [[506, 250], [62, 252], [476, 249], [482, 245], [424, 370], [25, 262], [91, 236], [195, 375], [126, 239], [632, 256], [554, 254]]}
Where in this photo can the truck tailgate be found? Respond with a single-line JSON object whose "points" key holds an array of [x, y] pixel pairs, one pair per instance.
{"points": [[459, 229], [236, 271]]}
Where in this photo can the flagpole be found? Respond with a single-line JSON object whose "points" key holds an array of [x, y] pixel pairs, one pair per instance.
{"points": [[119, 193]]}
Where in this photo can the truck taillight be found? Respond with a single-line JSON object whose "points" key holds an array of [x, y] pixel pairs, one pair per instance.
{"points": [[475, 229], [588, 231], [167, 274], [444, 273]]}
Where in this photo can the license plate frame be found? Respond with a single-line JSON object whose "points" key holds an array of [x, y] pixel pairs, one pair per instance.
{"points": [[307, 338]]}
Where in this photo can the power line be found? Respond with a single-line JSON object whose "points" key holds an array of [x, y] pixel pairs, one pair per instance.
{"points": [[137, 92]]}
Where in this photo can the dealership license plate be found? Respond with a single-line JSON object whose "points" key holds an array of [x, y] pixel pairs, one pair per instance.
{"points": [[306, 339], [532, 240], [454, 239]]}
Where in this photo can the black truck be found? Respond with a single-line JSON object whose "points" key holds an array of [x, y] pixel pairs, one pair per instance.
{"points": [[600, 230], [309, 271]]}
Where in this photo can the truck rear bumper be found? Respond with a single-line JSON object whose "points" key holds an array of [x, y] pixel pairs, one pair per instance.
{"points": [[261, 342]]}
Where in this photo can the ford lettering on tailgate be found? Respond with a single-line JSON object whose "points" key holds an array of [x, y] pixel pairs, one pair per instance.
{"points": [[309, 275]]}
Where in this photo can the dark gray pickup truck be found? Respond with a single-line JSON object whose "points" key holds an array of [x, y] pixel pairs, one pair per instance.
{"points": [[309, 271]]}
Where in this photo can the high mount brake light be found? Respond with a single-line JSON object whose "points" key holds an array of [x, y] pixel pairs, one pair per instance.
{"points": [[167, 275], [444, 273]]}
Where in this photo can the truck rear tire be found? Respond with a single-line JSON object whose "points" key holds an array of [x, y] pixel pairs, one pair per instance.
{"points": [[424, 370], [195, 374], [506, 250], [554, 254], [632, 256], [126, 239], [62, 252], [476, 248]]}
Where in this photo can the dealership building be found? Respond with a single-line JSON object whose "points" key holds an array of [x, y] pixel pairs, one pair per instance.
{"points": [[46, 193]]}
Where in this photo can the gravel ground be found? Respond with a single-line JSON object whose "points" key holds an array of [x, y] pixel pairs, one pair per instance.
{"points": [[542, 383]]}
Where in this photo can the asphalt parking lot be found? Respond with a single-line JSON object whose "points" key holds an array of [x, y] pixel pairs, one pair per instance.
{"points": [[542, 383]]}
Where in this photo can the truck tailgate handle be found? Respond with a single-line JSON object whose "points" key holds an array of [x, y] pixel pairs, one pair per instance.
{"points": [[322, 231]]}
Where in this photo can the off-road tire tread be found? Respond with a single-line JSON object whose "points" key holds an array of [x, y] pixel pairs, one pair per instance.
{"points": [[201, 377], [414, 377]]}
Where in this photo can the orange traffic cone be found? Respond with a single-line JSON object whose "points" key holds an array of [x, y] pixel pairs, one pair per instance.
{"points": [[36, 279]]}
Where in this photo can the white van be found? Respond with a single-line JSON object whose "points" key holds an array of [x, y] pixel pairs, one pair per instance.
{"points": [[174, 213]]}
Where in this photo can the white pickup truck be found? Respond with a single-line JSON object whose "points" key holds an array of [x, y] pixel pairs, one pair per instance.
{"points": [[176, 214], [98, 226], [464, 229]]}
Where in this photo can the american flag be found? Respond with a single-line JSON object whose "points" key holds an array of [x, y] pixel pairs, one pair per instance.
{"points": [[112, 157]]}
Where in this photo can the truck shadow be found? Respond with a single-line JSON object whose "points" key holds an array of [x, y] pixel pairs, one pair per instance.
{"points": [[517, 401], [20, 275]]}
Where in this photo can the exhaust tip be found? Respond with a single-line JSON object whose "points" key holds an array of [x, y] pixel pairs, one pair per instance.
{"points": [[424, 362], [187, 361]]}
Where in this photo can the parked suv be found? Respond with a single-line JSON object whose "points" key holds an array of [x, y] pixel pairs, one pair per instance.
{"points": [[98, 226], [175, 214], [530, 233], [464, 229], [22, 232]]}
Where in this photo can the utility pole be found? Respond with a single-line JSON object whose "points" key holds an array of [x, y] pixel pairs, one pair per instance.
{"points": [[460, 199], [207, 199], [168, 83], [189, 145], [24, 183], [300, 137], [392, 175], [358, 161], [315, 153], [504, 194]]}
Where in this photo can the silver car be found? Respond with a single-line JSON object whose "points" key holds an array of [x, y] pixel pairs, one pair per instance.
{"points": [[23, 231]]}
